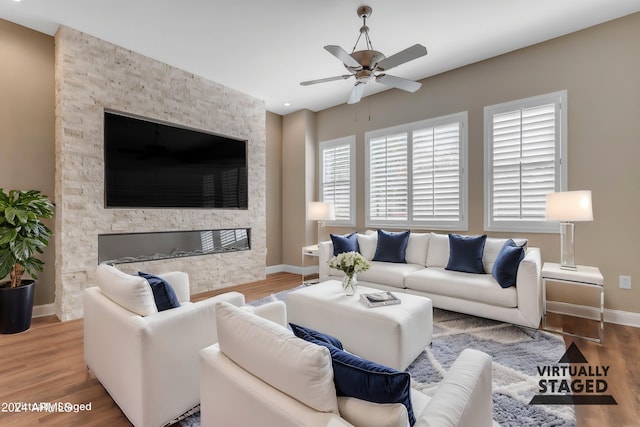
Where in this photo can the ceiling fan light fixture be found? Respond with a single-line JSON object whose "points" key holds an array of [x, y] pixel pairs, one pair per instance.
{"points": [[368, 64], [363, 76]]}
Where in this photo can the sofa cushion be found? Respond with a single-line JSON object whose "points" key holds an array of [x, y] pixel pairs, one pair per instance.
{"points": [[271, 352], [392, 247], [303, 332], [348, 243], [367, 245], [390, 274], [505, 269], [417, 248], [466, 287], [163, 293], [366, 380], [465, 253], [131, 292], [438, 252]]}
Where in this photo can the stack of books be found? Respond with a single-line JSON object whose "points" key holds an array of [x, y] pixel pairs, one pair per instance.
{"points": [[379, 299]]}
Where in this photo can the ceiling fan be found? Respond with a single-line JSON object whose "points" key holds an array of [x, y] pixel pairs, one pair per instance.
{"points": [[369, 64]]}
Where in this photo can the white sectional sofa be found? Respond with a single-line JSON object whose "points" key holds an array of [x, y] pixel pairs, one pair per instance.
{"points": [[424, 273]]}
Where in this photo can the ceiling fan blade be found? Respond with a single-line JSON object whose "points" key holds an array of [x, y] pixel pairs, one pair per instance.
{"points": [[409, 54], [356, 93], [327, 79], [343, 56], [398, 82]]}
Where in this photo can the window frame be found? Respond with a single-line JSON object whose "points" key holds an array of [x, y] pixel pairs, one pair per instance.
{"points": [[462, 223], [558, 98], [349, 141]]}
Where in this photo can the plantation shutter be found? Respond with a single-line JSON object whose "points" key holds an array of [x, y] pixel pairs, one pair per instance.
{"points": [[388, 178], [524, 162], [436, 174], [336, 179]]}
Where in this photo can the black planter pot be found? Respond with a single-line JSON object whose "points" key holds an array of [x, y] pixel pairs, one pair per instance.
{"points": [[16, 307]]}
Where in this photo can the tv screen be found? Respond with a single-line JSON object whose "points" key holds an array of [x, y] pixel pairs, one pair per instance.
{"points": [[155, 165]]}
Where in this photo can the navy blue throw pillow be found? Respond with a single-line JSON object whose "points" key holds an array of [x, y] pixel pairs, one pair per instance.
{"points": [[348, 243], [360, 378], [465, 253], [305, 333], [505, 269], [392, 247], [163, 293]]}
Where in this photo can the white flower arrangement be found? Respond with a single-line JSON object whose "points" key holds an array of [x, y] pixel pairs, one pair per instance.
{"points": [[349, 263]]}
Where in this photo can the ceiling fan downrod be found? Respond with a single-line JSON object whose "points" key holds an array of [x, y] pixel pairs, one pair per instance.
{"points": [[364, 12]]}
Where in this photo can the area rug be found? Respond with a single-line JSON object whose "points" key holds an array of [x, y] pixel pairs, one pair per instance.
{"points": [[516, 353]]}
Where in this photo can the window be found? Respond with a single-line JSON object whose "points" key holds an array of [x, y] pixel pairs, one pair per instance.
{"points": [[525, 148], [417, 174], [337, 178]]}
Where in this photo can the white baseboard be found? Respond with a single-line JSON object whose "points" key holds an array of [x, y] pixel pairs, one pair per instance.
{"points": [[293, 269], [619, 317], [43, 310]]}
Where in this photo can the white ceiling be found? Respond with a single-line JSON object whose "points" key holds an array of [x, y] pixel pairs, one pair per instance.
{"points": [[265, 48]]}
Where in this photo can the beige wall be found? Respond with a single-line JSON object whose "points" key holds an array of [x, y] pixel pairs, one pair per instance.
{"points": [[274, 189], [27, 124], [599, 68], [298, 181]]}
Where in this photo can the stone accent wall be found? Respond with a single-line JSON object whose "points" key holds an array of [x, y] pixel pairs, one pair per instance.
{"points": [[93, 75]]}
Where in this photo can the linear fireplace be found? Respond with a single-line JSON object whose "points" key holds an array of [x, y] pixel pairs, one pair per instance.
{"points": [[139, 247]]}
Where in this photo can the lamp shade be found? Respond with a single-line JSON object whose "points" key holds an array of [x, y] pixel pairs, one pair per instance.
{"points": [[321, 211], [569, 206]]}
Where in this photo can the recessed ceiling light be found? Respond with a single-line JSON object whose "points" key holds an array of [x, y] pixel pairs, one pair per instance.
{"points": [[287, 104]]}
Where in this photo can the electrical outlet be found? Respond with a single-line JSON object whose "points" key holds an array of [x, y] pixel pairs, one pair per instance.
{"points": [[625, 282]]}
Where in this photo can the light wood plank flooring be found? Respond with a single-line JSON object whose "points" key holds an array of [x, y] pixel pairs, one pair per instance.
{"points": [[45, 364]]}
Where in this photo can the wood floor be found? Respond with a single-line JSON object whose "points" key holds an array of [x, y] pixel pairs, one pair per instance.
{"points": [[45, 364]]}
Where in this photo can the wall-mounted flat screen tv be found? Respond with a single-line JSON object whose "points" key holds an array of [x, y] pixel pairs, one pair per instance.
{"points": [[157, 165]]}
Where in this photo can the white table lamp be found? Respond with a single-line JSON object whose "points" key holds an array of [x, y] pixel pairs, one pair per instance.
{"points": [[321, 212], [568, 207]]}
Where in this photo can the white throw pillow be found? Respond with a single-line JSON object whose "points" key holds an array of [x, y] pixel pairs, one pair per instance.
{"points": [[271, 352], [131, 292], [438, 252], [417, 248], [367, 244]]}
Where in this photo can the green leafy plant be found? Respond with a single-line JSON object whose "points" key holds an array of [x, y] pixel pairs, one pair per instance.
{"points": [[22, 234]]}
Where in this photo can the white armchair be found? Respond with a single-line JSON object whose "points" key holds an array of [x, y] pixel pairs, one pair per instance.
{"points": [[147, 362], [259, 374]]}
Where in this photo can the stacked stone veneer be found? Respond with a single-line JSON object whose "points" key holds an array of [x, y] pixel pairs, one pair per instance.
{"points": [[93, 75]]}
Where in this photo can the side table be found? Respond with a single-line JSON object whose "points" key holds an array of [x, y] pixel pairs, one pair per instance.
{"points": [[311, 251], [584, 276]]}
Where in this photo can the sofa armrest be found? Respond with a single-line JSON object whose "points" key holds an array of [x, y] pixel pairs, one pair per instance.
{"points": [[179, 280], [275, 311], [529, 288], [464, 397], [325, 251]]}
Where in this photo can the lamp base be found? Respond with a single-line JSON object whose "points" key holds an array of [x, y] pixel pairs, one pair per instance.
{"points": [[567, 251]]}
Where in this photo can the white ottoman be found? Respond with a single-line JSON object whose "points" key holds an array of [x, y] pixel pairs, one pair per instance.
{"points": [[392, 335]]}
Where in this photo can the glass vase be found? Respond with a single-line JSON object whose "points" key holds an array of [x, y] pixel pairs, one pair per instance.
{"points": [[350, 284]]}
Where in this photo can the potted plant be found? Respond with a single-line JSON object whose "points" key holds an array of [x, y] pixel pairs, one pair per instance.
{"points": [[22, 236]]}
